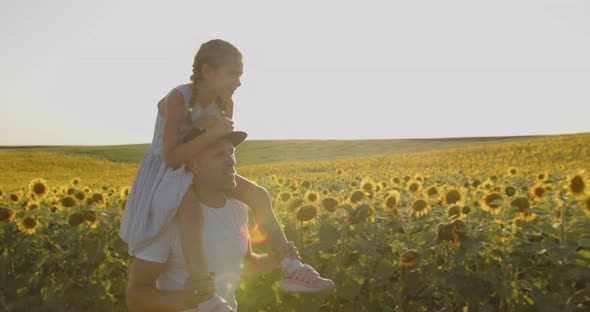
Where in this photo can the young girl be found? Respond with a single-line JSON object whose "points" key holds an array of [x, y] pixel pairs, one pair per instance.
{"points": [[161, 182]]}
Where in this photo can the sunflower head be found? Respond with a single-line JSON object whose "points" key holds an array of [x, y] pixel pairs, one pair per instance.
{"points": [[520, 203], [91, 218], [512, 171], [312, 196], [454, 212], [538, 192], [14, 198], [360, 214], [454, 195], [124, 192], [339, 171], [76, 219], [509, 191], [284, 196], [392, 200], [32, 206], [414, 187], [28, 225], [98, 199], [6, 215], [67, 201], [307, 213], [75, 182], [420, 207], [329, 203], [577, 184], [357, 196], [492, 203], [38, 187], [408, 258]]}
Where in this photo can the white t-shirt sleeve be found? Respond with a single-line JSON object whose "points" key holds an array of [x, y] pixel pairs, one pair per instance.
{"points": [[159, 249]]}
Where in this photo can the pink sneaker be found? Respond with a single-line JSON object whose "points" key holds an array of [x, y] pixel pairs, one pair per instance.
{"points": [[305, 279], [215, 304]]}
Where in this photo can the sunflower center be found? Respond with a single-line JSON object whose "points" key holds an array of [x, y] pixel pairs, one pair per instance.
{"points": [[539, 191], [419, 205], [452, 197], [391, 202], [29, 223], [413, 187], [577, 185]]}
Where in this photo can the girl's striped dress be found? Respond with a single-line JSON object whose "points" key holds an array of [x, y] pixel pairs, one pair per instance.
{"points": [[157, 189]]}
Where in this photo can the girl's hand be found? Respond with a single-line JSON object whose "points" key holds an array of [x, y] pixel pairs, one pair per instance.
{"points": [[197, 290], [222, 126]]}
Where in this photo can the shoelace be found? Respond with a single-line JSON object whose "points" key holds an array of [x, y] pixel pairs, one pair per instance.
{"points": [[307, 274]]}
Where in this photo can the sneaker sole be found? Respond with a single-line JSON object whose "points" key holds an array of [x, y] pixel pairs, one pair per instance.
{"points": [[299, 288]]}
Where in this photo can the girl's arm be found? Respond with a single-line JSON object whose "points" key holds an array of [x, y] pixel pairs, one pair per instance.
{"points": [[250, 194], [175, 152]]}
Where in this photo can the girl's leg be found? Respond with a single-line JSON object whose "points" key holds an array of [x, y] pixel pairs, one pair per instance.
{"points": [[296, 276], [190, 215]]}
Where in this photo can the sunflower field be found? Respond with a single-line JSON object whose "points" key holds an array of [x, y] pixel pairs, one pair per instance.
{"points": [[497, 227]]}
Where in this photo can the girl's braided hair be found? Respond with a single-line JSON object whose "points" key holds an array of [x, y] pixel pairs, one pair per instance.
{"points": [[215, 53]]}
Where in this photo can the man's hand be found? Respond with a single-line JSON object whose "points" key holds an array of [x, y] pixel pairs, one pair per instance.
{"points": [[197, 290]]}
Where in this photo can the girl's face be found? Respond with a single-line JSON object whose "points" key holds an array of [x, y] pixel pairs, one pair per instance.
{"points": [[226, 78]]}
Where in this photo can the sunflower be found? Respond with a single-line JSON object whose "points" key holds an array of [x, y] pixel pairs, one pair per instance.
{"points": [[39, 188], [520, 203], [368, 186], [14, 198], [487, 185], [577, 185], [76, 219], [6, 215], [509, 191], [392, 200], [32, 206], [538, 192], [91, 218], [98, 199], [280, 181], [414, 187], [306, 184], [408, 258], [512, 171], [307, 213], [312, 196], [339, 171], [86, 190], [454, 195], [420, 207], [124, 192], [329, 203], [395, 181], [360, 214], [272, 177], [433, 192], [75, 181], [492, 203], [28, 225], [80, 195], [454, 212], [357, 196], [284, 196], [325, 191], [542, 176], [67, 201]]}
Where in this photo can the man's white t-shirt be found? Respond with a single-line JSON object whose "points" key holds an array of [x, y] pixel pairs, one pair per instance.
{"points": [[225, 241]]}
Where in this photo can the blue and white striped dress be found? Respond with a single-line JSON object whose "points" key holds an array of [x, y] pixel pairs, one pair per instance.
{"points": [[157, 189]]}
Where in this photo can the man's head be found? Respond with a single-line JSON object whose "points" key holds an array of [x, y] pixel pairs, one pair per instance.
{"points": [[214, 167]]}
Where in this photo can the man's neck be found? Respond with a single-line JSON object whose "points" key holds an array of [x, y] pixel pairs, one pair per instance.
{"points": [[209, 197]]}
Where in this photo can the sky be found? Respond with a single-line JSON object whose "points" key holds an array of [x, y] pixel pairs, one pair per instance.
{"points": [[91, 72]]}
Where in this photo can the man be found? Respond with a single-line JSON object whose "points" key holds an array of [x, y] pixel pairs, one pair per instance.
{"points": [[158, 273]]}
